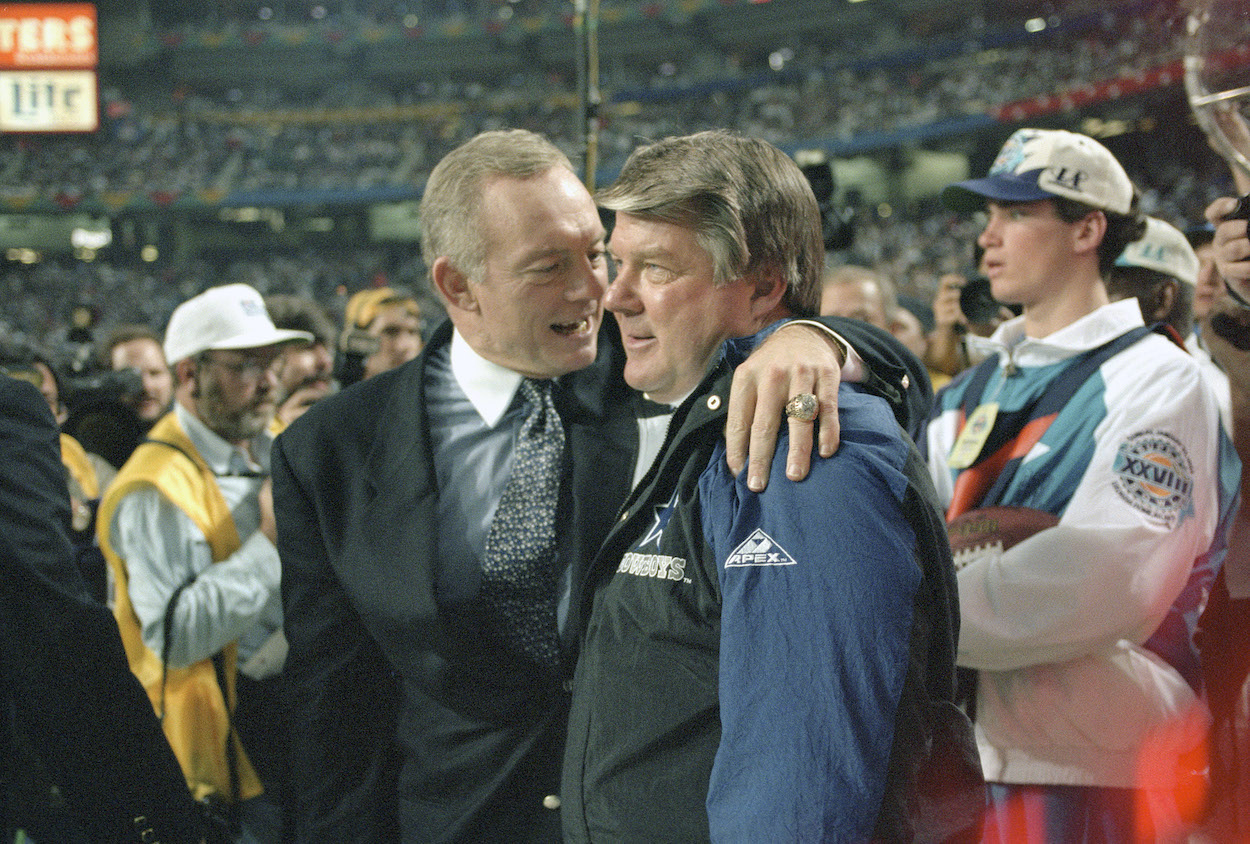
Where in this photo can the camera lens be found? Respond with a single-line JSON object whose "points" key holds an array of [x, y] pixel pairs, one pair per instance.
{"points": [[976, 301]]}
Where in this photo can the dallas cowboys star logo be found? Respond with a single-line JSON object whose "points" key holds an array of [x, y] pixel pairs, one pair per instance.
{"points": [[663, 513]]}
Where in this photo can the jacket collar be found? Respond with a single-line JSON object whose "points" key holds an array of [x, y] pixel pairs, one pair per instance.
{"points": [[1088, 332], [402, 428]]}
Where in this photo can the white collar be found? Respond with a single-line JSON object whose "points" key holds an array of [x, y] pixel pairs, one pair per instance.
{"points": [[1090, 331], [488, 386], [1193, 343]]}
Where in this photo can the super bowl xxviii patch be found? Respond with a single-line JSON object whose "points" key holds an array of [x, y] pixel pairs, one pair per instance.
{"points": [[1153, 473]]}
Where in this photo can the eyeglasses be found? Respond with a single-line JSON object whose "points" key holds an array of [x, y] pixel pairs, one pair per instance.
{"points": [[249, 368]]}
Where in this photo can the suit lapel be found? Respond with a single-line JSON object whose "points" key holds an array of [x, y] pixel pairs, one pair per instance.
{"points": [[398, 535]]}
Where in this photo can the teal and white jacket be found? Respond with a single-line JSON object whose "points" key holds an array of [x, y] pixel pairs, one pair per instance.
{"points": [[1082, 633]]}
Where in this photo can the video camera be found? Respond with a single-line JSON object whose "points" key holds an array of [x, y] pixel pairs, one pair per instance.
{"points": [[978, 303], [92, 389], [837, 230]]}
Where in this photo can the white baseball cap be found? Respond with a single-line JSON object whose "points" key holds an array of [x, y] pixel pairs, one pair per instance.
{"points": [[1042, 164], [232, 316], [1163, 248]]}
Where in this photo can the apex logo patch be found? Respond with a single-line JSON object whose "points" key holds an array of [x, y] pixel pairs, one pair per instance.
{"points": [[1154, 474], [759, 549]]}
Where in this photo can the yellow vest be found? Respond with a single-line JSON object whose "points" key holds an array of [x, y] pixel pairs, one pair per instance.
{"points": [[76, 462], [195, 717]]}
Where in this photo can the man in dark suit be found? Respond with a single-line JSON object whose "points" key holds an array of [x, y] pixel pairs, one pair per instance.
{"points": [[418, 720], [82, 757]]}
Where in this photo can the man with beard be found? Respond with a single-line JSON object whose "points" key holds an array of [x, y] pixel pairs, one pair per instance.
{"points": [[188, 531]]}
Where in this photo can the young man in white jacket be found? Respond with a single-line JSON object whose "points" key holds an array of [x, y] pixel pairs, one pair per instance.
{"points": [[1082, 676]]}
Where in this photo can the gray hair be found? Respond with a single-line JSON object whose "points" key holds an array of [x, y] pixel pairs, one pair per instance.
{"points": [[748, 203], [451, 207]]}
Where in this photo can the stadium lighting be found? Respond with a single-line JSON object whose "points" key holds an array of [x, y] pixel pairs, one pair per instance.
{"points": [[87, 239]]}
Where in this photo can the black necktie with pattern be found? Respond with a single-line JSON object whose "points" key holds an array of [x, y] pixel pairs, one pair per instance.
{"points": [[518, 567]]}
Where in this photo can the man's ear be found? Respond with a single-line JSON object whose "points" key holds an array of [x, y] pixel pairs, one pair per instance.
{"points": [[1164, 298], [770, 287], [452, 285], [1089, 231], [187, 371]]}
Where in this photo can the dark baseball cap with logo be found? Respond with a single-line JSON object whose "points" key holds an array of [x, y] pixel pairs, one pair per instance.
{"points": [[1038, 164]]}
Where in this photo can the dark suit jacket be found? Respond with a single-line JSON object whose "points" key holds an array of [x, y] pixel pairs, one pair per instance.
{"points": [[68, 702], [391, 693], [376, 667]]}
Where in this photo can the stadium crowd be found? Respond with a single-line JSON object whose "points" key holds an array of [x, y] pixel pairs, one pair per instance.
{"points": [[914, 246], [172, 142]]}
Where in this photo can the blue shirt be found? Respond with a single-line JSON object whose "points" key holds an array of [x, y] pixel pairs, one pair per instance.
{"points": [[475, 412]]}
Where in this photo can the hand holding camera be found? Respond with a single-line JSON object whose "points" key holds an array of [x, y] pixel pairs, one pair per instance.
{"points": [[1231, 218]]}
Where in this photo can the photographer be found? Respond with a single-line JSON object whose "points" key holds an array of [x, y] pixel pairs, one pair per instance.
{"points": [[961, 307], [138, 347], [112, 407], [382, 329], [305, 370]]}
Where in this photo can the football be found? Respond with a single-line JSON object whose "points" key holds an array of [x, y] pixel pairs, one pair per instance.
{"points": [[993, 529]]}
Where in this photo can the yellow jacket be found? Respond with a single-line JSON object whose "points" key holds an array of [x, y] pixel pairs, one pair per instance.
{"points": [[195, 717]]}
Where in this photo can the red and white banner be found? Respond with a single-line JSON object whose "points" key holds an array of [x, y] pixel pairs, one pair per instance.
{"points": [[47, 35], [48, 56]]}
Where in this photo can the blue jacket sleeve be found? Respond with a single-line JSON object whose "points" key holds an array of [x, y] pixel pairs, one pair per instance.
{"points": [[818, 580]]}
